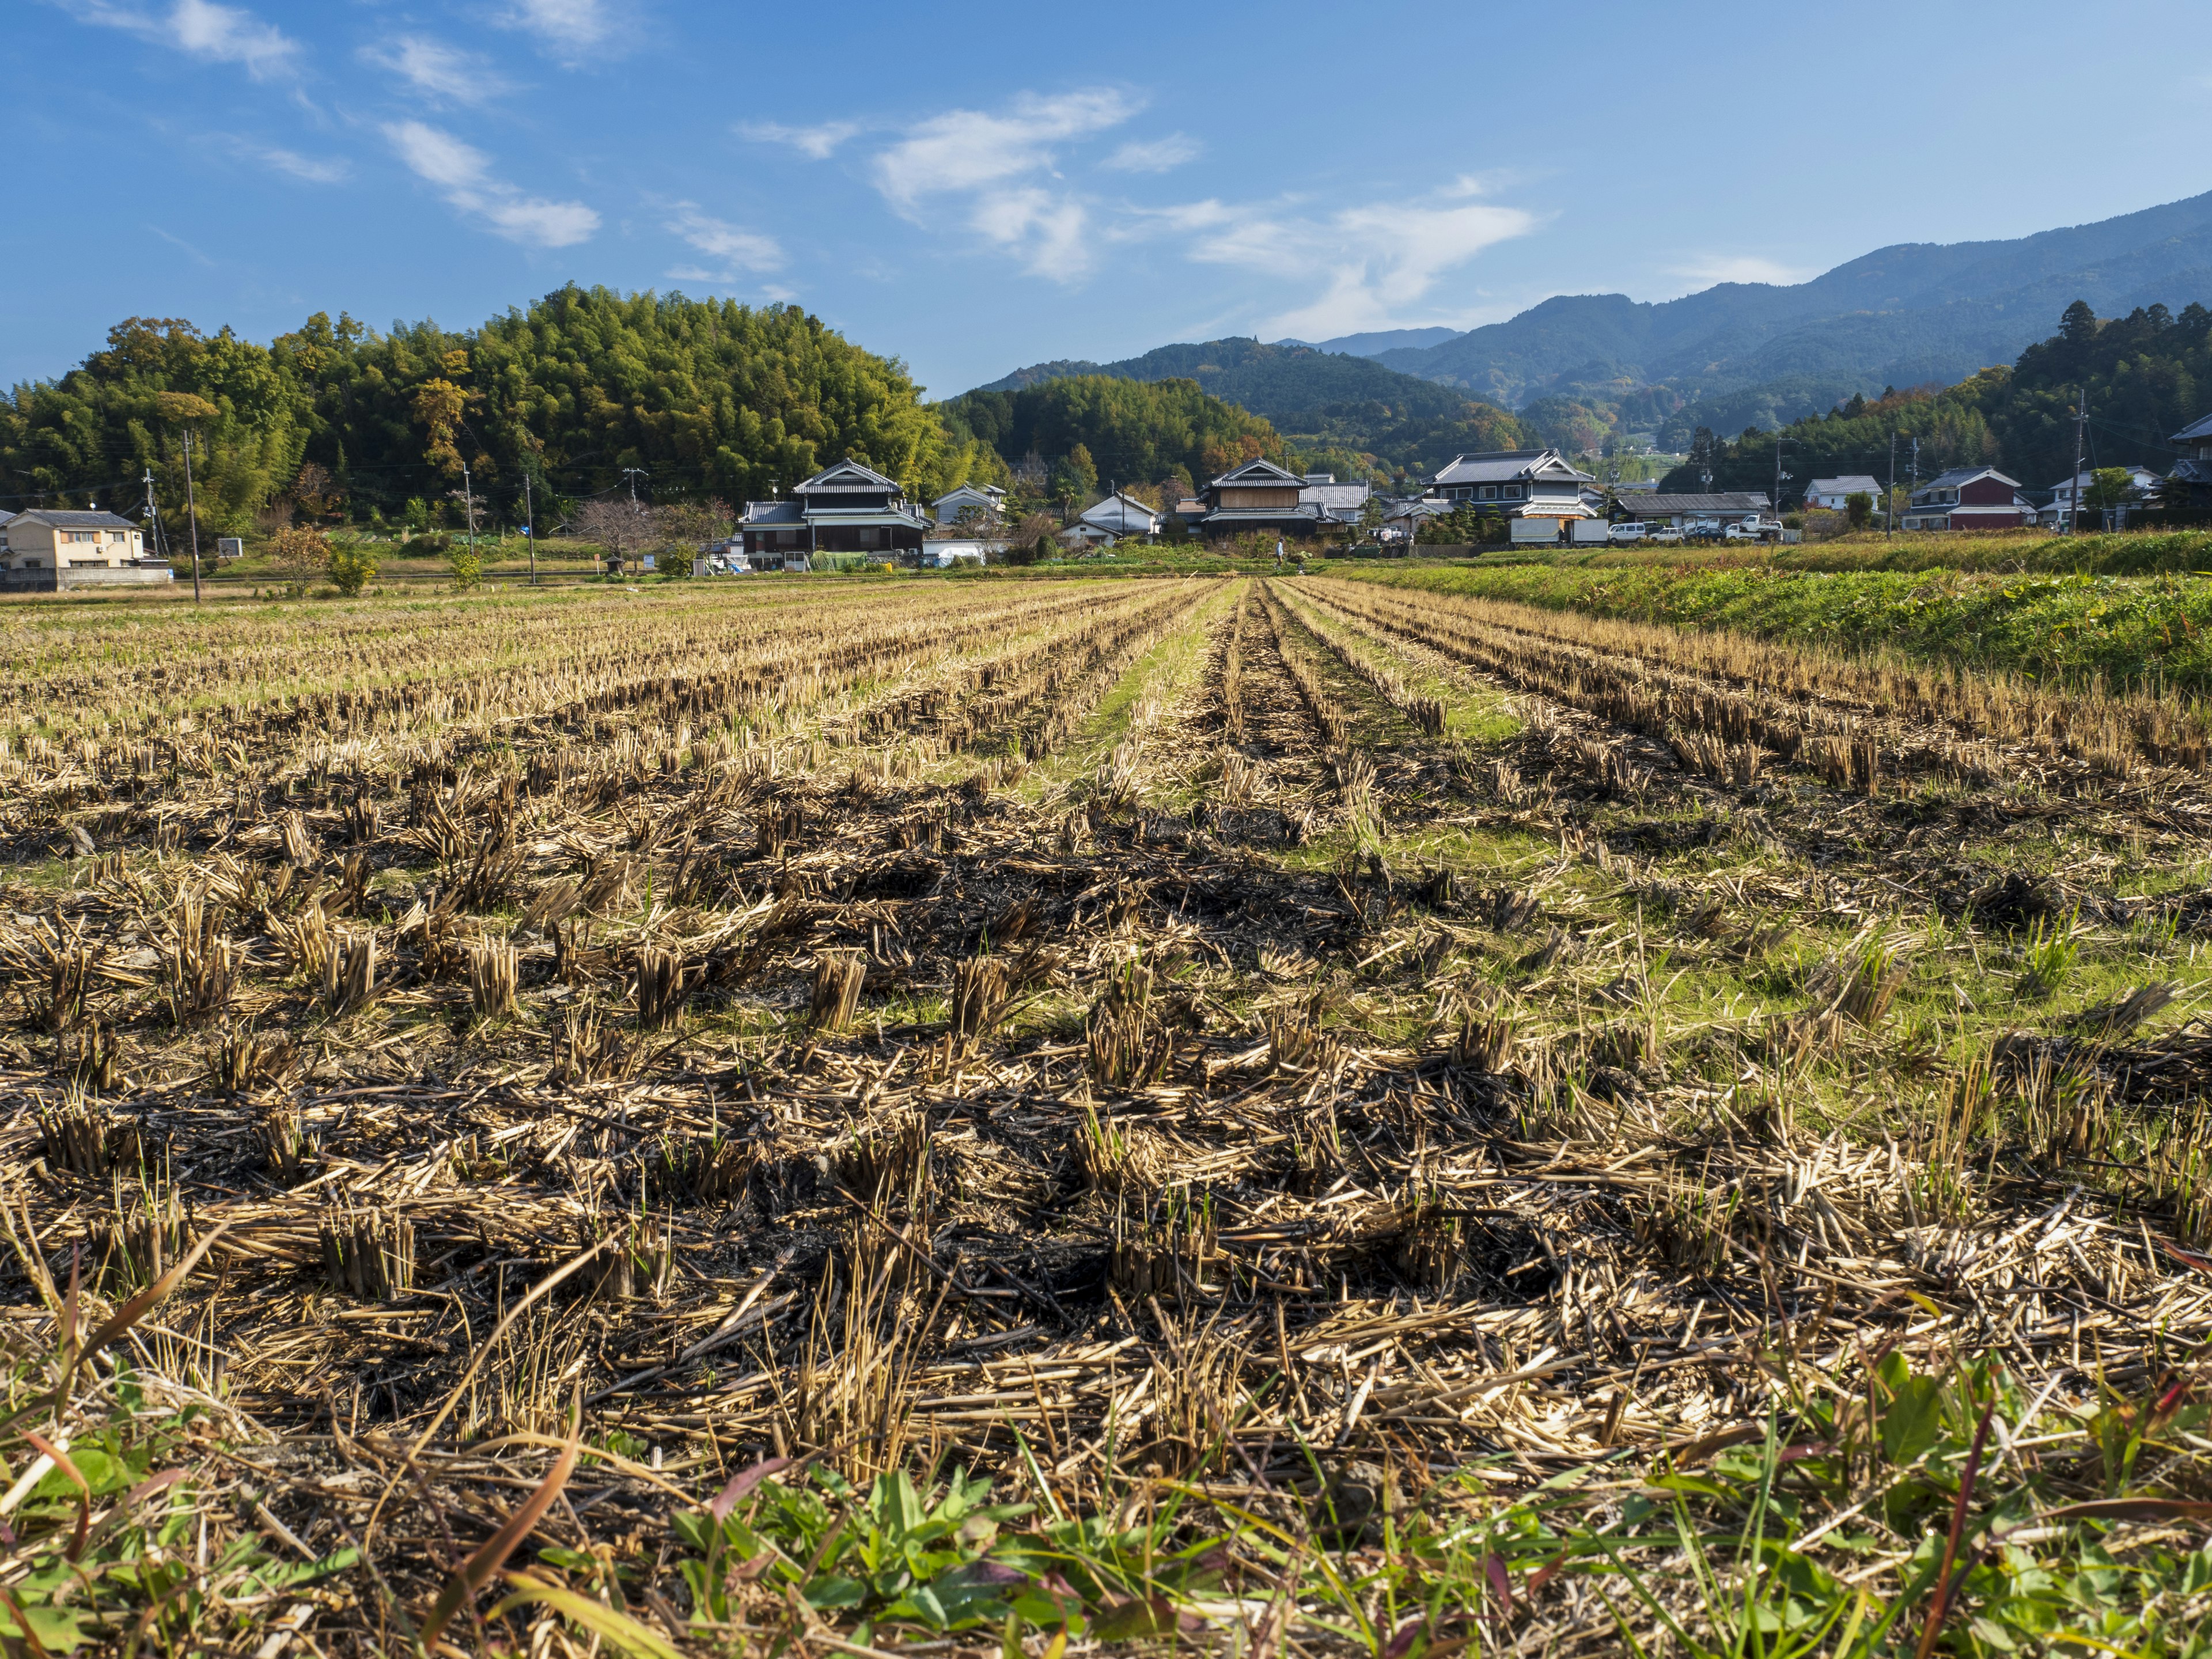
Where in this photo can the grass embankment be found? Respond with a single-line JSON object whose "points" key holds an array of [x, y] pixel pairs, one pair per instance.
{"points": [[2128, 632]]}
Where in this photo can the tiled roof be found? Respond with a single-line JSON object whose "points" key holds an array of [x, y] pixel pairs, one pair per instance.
{"points": [[61, 519], [1851, 483], [1738, 501], [2198, 430], [1965, 474]]}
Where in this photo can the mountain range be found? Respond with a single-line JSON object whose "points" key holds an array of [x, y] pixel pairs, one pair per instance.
{"points": [[1730, 356]]}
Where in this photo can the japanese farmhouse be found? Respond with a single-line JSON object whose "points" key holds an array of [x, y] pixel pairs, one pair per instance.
{"points": [[845, 508], [1968, 498]]}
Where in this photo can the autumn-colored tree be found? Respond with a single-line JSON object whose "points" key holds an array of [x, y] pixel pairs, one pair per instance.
{"points": [[438, 406], [300, 554]]}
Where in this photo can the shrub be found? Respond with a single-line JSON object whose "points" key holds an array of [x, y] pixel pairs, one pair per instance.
{"points": [[352, 568], [467, 566], [1858, 508], [298, 555], [429, 546]]}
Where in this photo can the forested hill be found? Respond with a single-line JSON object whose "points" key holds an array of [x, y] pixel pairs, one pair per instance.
{"points": [[2145, 376], [1093, 431], [1349, 413], [706, 397]]}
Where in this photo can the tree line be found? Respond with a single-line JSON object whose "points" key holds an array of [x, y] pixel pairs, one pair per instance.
{"points": [[2145, 376], [584, 394]]}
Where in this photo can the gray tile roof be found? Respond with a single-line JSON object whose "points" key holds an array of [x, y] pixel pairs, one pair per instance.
{"points": [[1636, 505], [60, 519], [2197, 429], [1492, 467], [1849, 484], [1965, 474], [773, 513]]}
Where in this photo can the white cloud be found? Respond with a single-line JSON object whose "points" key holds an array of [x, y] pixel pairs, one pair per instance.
{"points": [[438, 70], [220, 34], [1153, 154], [1046, 229], [1740, 268], [567, 27], [463, 176], [817, 143], [315, 170], [965, 149], [990, 157], [1380, 263], [734, 247]]}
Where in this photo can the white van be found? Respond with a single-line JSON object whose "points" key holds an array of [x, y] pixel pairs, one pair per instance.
{"points": [[1628, 531]]}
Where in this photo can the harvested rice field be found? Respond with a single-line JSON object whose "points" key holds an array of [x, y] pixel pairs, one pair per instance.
{"points": [[900, 1116]]}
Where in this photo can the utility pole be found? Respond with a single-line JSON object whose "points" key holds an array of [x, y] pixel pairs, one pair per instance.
{"points": [[1889, 505], [530, 530], [469, 499], [192, 512], [153, 519], [2073, 484], [1779, 474], [634, 473]]}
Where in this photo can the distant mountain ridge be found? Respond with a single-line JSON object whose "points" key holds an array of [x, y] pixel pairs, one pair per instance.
{"points": [[1318, 399], [1900, 315]]}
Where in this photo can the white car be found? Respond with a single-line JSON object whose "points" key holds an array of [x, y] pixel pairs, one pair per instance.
{"points": [[1665, 534], [1629, 531]]}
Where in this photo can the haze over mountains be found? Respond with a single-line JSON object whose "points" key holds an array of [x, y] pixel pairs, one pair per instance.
{"points": [[1730, 355]]}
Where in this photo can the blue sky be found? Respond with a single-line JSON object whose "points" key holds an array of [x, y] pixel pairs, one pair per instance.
{"points": [[976, 187]]}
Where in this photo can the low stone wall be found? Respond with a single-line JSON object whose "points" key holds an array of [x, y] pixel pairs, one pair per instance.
{"points": [[54, 581]]}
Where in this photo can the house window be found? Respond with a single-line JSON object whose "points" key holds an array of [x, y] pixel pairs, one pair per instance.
{"points": [[1490, 492], [80, 535], [1513, 492]]}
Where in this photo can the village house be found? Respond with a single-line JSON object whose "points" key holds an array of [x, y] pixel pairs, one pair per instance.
{"points": [[1258, 495], [845, 508], [1331, 503], [1968, 498], [1117, 518], [2189, 483], [1835, 494], [1722, 507], [2143, 485], [1527, 486], [988, 500], [46, 548]]}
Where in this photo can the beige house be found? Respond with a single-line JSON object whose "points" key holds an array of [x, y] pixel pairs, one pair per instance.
{"points": [[47, 549], [46, 538]]}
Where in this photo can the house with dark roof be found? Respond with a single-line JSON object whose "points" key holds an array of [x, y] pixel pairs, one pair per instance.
{"points": [[1331, 503], [1257, 496], [1517, 484], [43, 549], [1968, 498], [845, 508], [1722, 507], [2189, 483]]}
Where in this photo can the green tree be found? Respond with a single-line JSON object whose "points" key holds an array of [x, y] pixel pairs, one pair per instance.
{"points": [[1858, 509], [2109, 487], [352, 568]]}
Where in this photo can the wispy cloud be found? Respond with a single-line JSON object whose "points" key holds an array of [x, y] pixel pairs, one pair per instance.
{"points": [[180, 242], [734, 248], [991, 158], [1379, 263], [218, 34], [817, 144], [565, 27], [964, 149], [312, 169], [438, 70], [462, 174], [1704, 271], [1154, 154]]}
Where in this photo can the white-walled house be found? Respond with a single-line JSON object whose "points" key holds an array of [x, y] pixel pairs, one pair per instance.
{"points": [[2143, 485], [988, 500], [1835, 494]]}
